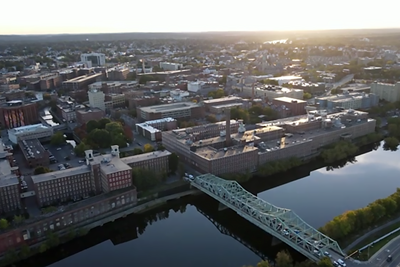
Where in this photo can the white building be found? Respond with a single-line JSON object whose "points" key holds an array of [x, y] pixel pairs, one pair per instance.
{"points": [[170, 66], [386, 91], [178, 94], [29, 132], [93, 59], [194, 86], [97, 99]]}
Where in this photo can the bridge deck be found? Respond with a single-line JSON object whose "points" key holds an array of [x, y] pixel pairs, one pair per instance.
{"points": [[280, 222]]}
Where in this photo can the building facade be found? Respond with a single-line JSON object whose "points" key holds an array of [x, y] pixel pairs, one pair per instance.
{"points": [[97, 99], [175, 110], [34, 153], [385, 91], [83, 115], [348, 101], [36, 131], [93, 59], [291, 106], [152, 129], [17, 113], [157, 161]]}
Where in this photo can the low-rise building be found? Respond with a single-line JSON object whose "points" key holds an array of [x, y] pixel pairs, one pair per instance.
{"points": [[34, 153], [36, 131], [157, 161], [85, 115], [175, 110], [152, 129], [168, 66], [290, 106], [348, 101]]}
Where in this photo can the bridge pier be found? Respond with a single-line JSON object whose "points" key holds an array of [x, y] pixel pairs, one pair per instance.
{"points": [[275, 241], [221, 207]]}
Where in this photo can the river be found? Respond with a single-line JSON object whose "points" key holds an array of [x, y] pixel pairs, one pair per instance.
{"points": [[182, 236]]}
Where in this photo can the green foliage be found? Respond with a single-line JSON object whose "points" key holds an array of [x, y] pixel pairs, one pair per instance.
{"points": [[57, 139], [391, 143], [52, 239], [307, 96], [137, 151], [353, 222], [103, 122], [369, 139], [18, 219], [147, 148], [41, 170], [91, 125], [145, 179], [338, 151], [4, 224], [43, 247], [173, 161], [160, 147], [211, 118], [253, 114], [283, 259], [81, 148], [270, 82], [101, 137], [49, 209], [25, 251], [325, 262], [219, 93], [274, 167]]}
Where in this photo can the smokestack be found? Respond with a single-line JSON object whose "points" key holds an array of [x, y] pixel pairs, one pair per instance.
{"points": [[252, 93], [228, 127]]}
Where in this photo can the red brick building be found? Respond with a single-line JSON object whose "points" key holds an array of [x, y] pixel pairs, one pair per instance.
{"points": [[290, 106], [83, 116], [18, 113]]}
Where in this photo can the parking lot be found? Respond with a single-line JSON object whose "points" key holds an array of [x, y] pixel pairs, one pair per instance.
{"points": [[63, 154]]}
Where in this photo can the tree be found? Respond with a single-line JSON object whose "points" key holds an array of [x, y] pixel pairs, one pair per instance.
{"points": [[283, 259], [173, 161], [148, 148], [137, 151], [103, 122], [114, 128], [18, 219], [100, 137], [57, 139], [219, 93], [325, 262], [43, 247], [145, 179], [91, 125], [25, 251], [4, 224], [211, 118], [307, 96], [263, 264], [41, 170], [81, 148], [160, 147], [391, 143]]}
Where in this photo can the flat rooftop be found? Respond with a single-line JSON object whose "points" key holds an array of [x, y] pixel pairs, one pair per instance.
{"points": [[145, 156], [223, 99], [28, 128], [169, 107], [228, 105], [211, 153], [32, 148], [6, 177], [83, 78], [289, 100], [45, 177]]}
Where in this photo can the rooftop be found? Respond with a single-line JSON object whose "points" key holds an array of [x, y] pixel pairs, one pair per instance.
{"points": [[145, 156], [228, 105], [217, 100], [32, 148], [289, 100], [83, 78], [28, 128], [169, 107], [60, 174], [211, 153]]}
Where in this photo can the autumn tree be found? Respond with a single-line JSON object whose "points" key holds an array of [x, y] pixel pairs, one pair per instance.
{"points": [[148, 148], [283, 259]]}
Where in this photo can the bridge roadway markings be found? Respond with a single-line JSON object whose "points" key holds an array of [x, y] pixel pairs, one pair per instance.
{"points": [[281, 223]]}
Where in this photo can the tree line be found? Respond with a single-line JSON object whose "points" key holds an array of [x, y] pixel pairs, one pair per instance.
{"points": [[284, 259], [338, 151], [353, 222]]}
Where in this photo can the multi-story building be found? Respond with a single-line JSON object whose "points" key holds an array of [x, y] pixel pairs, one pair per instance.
{"points": [[34, 153], [85, 115], [290, 106], [175, 110], [93, 59], [18, 113], [117, 100], [385, 91], [14, 95], [97, 99], [170, 66], [348, 101], [152, 129], [157, 161], [10, 199], [36, 131], [222, 101], [118, 74], [82, 82], [62, 186], [269, 92]]}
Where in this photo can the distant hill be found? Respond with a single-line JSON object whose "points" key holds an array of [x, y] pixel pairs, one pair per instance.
{"points": [[270, 35]]}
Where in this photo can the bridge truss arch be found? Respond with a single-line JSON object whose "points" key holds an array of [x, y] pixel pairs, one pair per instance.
{"points": [[282, 223]]}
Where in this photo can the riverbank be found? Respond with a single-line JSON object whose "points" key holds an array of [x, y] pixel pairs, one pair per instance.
{"points": [[54, 239]]}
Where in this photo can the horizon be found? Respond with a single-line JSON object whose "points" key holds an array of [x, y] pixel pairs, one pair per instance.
{"points": [[209, 16]]}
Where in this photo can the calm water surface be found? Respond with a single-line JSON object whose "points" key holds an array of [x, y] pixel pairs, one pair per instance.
{"points": [[189, 239]]}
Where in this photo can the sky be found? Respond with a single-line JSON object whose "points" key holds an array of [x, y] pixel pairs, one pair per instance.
{"points": [[77, 16]]}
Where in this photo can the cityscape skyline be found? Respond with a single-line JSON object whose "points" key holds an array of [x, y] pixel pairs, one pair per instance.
{"points": [[176, 16]]}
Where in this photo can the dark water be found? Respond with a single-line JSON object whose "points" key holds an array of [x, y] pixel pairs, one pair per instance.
{"points": [[182, 234]]}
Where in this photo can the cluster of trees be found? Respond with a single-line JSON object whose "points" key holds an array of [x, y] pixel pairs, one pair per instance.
{"points": [[369, 139], [279, 166], [269, 82], [57, 139], [16, 220], [186, 124], [338, 151], [146, 179], [102, 134], [284, 259], [353, 222], [219, 93], [254, 114], [211, 118], [41, 170], [392, 142]]}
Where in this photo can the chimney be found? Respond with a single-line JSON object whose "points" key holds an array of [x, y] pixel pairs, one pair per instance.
{"points": [[228, 127], [89, 156], [115, 151]]}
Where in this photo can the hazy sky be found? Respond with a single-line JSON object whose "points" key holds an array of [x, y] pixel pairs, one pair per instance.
{"points": [[80, 16]]}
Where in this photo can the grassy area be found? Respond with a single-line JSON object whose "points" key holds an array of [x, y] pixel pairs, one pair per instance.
{"points": [[372, 250]]}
